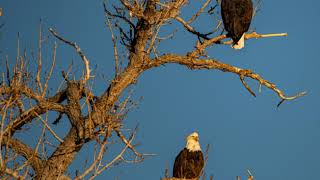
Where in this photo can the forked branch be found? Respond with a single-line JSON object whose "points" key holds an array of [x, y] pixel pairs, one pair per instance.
{"points": [[196, 63]]}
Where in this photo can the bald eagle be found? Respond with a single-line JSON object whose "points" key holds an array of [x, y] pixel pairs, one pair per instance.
{"points": [[189, 163], [236, 17]]}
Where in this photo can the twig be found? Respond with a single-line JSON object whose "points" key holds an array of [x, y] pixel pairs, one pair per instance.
{"points": [[100, 155], [8, 70], [38, 81], [108, 13], [118, 157], [124, 140], [51, 70], [199, 12], [151, 44], [250, 176], [115, 52], [50, 129], [246, 85], [13, 173], [192, 30], [78, 50]]}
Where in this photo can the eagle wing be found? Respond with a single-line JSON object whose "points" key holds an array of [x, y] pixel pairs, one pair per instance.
{"points": [[236, 16], [188, 164]]}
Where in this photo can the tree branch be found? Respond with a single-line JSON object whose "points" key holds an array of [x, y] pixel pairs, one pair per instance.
{"points": [[195, 63], [12, 173], [62, 156], [117, 158], [24, 150], [78, 50], [257, 36], [30, 114]]}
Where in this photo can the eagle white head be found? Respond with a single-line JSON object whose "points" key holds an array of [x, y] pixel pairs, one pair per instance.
{"points": [[193, 142]]}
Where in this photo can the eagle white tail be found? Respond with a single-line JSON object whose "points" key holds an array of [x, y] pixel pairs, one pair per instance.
{"points": [[240, 44]]}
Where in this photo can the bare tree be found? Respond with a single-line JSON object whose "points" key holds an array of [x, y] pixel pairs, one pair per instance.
{"points": [[134, 25]]}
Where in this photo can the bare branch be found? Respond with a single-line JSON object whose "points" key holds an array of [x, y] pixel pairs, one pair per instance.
{"points": [[124, 140], [38, 81], [108, 13], [30, 114], [13, 173], [24, 150], [50, 129], [191, 29], [78, 50], [250, 176], [135, 10], [257, 36], [117, 158], [51, 69], [194, 63], [194, 17], [200, 47], [100, 155], [115, 52], [8, 71], [246, 85]]}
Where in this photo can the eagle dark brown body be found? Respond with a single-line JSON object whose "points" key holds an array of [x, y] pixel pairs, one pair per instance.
{"points": [[236, 16], [188, 164]]}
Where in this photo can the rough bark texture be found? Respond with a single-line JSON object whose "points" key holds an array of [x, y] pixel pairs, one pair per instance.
{"points": [[62, 157]]}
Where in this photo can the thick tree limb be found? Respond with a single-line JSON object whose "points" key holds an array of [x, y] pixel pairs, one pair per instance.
{"points": [[62, 156], [32, 113], [195, 63]]}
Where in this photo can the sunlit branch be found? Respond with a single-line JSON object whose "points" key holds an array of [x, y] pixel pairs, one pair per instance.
{"points": [[38, 81], [194, 63], [115, 52], [78, 50], [99, 157], [257, 36], [51, 70], [50, 129], [117, 158], [191, 29]]}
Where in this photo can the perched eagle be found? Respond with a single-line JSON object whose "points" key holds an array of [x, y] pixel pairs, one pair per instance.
{"points": [[189, 163], [236, 17]]}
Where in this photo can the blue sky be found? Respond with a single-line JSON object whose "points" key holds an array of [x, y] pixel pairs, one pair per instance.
{"points": [[244, 132]]}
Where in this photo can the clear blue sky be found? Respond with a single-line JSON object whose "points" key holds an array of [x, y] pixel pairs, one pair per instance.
{"points": [[243, 131]]}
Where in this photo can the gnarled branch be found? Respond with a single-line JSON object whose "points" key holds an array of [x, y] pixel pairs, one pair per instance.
{"points": [[195, 63]]}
